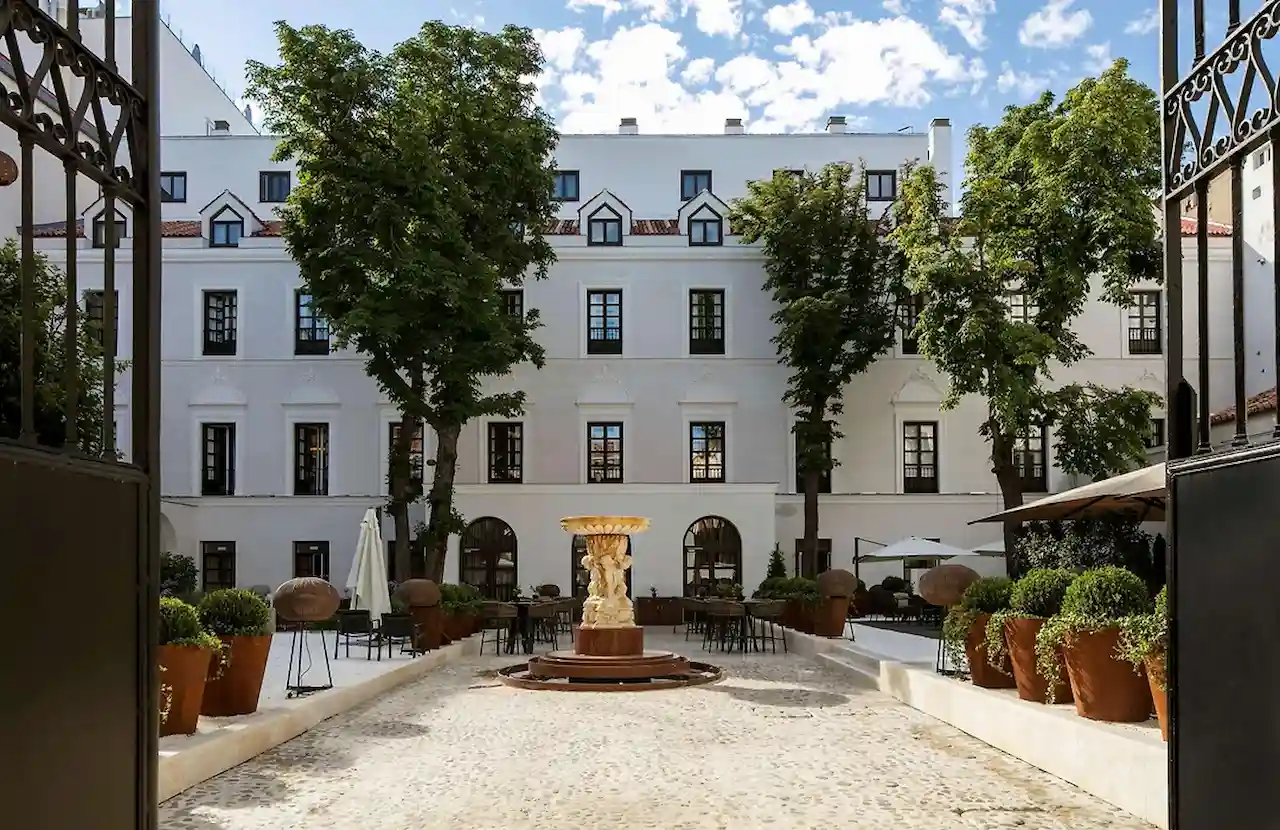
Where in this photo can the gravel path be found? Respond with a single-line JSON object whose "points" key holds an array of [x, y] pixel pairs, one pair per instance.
{"points": [[779, 743]]}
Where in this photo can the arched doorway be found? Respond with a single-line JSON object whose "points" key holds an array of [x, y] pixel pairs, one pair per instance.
{"points": [[580, 576], [712, 555], [488, 560]]}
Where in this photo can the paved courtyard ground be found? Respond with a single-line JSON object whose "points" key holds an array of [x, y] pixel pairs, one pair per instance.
{"points": [[780, 743]]}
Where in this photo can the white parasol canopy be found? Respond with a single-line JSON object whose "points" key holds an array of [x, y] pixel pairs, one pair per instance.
{"points": [[1140, 493], [912, 548], [368, 577], [995, 548]]}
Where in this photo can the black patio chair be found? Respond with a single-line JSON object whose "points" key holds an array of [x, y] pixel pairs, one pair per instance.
{"points": [[398, 628], [358, 626]]}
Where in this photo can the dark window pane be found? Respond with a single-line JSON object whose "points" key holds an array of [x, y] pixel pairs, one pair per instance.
{"points": [[506, 453], [311, 329], [604, 322], [920, 457], [311, 460], [566, 186], [604, 453], [1145, 336], [274, 185], [693, 182], [706, 451], [220, 313], [219, 454]]}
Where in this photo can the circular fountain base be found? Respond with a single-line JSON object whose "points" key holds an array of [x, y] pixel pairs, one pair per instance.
{"points": [[571, 671]]}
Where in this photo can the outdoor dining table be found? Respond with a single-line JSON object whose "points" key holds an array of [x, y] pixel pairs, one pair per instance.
{"points": [[521, 627]]}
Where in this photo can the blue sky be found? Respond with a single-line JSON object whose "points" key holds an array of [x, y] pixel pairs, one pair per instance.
{"points": [[686, 65]]}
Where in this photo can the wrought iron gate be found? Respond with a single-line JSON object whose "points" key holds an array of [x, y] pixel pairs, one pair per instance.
{"points": [[1224, 537], [79, 525]]}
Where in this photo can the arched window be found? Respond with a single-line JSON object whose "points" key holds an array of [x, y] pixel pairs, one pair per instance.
{"points": [[579, 576], [488, 559], [712, 555], [225, 229]]}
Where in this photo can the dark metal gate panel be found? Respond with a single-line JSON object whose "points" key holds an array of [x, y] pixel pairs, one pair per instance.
{"points": [[79, 526]]}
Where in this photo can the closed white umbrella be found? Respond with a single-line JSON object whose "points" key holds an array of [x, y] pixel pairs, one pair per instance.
{"points": [[368, 577]]}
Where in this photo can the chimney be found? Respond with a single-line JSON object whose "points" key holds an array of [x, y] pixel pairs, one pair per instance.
{"points": [[940, 153], [628, 126], [836, 124], [220, 128], [733, 126]]}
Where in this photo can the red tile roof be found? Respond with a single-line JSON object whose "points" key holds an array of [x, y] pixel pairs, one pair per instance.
{"points": [[271, 227], [1215, 228], [655, 227], [181, 228], [562, 227], [1258, 404]]}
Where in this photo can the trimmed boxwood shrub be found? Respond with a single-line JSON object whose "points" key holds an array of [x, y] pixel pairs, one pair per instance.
{"points": [[234, 612]]}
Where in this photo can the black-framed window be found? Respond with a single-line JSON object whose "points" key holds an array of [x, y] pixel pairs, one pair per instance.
{"points": [[604, 322], [824, 477], [513, 302], [566, 186], [920, 457], [274, 185], [1031, 458], [1155, 438], [706, 451], [1022, 309], [706, 321], [693, 182], [417, 456], [506, 453], [310, 328], [1145, 323], [712, 555], [909, 309], [604, 453], [311, 559], [311, 459], [226, 229], [95, 309], [173, 187], [220, 319], [218, 565], [882, 185], [808, 567], [119, 230], [604, 227], [218, 450], [706, 228]]}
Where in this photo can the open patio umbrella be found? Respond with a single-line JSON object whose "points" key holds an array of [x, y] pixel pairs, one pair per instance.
{"points": [[995, 548], [368, 577], [913, 548], [1139, 493]]}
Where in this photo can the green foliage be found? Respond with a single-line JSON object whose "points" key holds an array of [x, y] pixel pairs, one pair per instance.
{"points": [[1084, 544], [180, 625], [777, 565], [1038, 594], [178, 575], [424, 184], [50, 357], [1096, 600], [789, 587], [1036, 227], [988, 595], [835, 280], [459, 599], [1145, 637], [234, 612], [729, 590]]}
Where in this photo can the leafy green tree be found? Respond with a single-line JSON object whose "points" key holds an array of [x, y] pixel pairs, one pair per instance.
{"points": [[424, 182], [834, 277], [1056, 195], [777, 565], [50, 362]]}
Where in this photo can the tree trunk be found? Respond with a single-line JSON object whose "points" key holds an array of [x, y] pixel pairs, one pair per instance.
{"points": [[809, 548], [440, 518], [1010, 481], [401, 494]]}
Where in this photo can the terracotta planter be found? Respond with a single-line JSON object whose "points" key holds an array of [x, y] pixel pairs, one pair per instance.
{"points": [[1105, 687], [983, 674], [458, 626], [798, 615], [430, 620], [1155, 666], [830, 615], [1020, 638], [185, 670], [236, 690]]}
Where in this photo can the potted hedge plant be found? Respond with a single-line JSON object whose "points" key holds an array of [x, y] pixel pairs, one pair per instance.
{"points": [[1144, 642], [241, 620], [801, 596], [836, 588], [185, 653], [460, 605], [1085, 635], [965, 627], [1011, 634]]}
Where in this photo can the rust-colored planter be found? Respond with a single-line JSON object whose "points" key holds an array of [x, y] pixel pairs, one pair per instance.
{"points": [[1155, 666], [430, 620], [798, 616], [982, 673], [458, 626], [1105, 687], [830, 615], [235, 691], [185, 671], [1020, 638]]}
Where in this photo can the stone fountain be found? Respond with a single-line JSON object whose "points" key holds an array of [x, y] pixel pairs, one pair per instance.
{"points": [[609, 653]]}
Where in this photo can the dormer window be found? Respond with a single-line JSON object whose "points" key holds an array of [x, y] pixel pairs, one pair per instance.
{"points": [[117, 231], [706, 228], [225, 229], [693, 182], [604, 227]]}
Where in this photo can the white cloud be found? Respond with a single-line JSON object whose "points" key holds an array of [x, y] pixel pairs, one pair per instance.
{"points": [[717, 17], [1144, 24], [786, 19], [1026, 84], [698, 71], [895, 6], [560, 47], [969, 17], [1098, 58], [649, 9], [1055, 26]]}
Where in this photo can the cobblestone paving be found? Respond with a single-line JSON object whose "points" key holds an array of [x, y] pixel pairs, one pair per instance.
{"points": [[780, 743]]}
